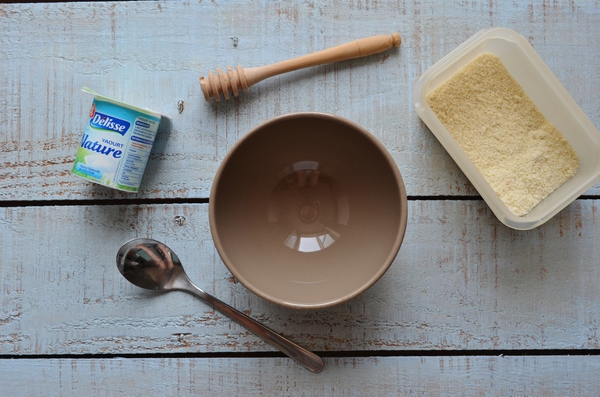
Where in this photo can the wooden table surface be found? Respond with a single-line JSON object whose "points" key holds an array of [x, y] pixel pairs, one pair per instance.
{"points": [[469, 306]]}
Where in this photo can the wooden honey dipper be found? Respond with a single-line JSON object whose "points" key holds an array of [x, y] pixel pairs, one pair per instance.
{"points": [[240, 79]]}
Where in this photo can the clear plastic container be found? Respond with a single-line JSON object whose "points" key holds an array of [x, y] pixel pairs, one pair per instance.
{"points": [[551, 98]]}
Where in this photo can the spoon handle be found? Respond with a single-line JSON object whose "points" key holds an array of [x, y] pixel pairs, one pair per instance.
{"points": [[309, 359]]}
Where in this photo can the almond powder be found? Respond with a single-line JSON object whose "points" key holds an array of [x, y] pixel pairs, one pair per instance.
{"points": [[519, 152]]}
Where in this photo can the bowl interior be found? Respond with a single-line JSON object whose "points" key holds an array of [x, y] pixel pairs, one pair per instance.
{"points": [[308, 210]]}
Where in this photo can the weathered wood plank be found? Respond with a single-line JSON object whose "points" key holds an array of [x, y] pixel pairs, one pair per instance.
{"points": [[374, 376], [49, 51], [461, 281]]}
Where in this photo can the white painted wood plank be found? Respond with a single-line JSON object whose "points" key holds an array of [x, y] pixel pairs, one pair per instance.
{"points": [[373, 376], [461, 281], [152, 53]]}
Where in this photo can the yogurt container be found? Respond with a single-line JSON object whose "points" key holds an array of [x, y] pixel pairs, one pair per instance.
{"points": [[116, 143]]}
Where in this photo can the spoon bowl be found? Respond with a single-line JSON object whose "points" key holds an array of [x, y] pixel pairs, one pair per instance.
{"points": [[150, 264]]}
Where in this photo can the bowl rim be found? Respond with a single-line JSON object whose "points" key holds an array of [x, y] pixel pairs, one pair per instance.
{"points": [[401, 231]]}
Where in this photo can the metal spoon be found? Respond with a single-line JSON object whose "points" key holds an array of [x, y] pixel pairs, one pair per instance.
{"points": [[152, 265]]}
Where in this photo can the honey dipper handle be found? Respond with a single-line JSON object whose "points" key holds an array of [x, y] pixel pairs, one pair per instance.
{"points": [[355, 49]]}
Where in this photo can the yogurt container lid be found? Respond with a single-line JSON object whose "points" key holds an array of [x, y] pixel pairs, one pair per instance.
{"points": [[119, 103]]}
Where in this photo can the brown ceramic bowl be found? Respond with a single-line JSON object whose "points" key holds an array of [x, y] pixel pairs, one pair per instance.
{"points": [[308, 210]]}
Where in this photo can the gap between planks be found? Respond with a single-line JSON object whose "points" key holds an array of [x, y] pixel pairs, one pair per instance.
{"points": [[167, 201], [328, 354]]}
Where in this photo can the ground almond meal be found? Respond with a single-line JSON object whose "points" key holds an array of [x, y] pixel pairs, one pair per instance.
{"points": [[520, 153]]}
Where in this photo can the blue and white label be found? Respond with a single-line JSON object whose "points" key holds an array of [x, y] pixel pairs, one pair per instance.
{"points": [[116, 144], [105, 122], [107, 147]]}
